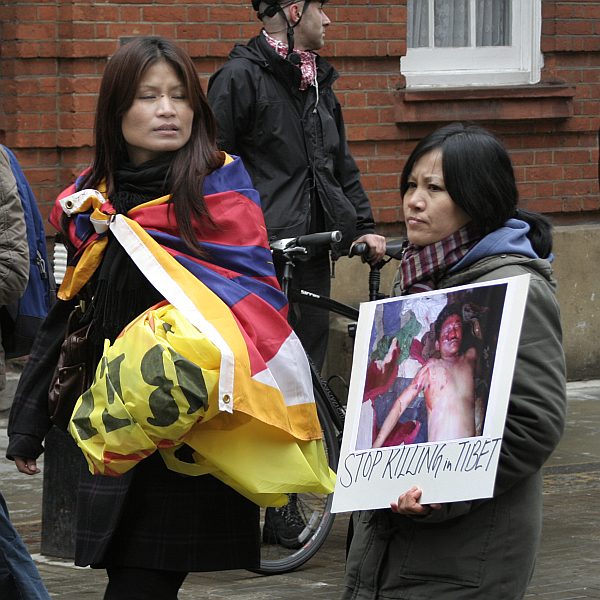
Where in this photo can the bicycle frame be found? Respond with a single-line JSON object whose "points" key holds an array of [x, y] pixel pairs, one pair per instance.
{"points": [[316, 509], [304, 297], [294, 247]]}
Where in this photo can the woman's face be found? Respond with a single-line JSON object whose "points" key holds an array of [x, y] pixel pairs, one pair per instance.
{"points": [[160, 118], [429, 212]]}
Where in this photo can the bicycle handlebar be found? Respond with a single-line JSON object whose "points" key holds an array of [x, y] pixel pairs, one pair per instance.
{"points": [[360, 249], [319, 239], [393, 249], [325, 238]]}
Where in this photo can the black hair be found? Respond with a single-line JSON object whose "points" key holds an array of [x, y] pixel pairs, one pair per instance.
{"points": [[191, 163], [449, 310], [479, 177]]}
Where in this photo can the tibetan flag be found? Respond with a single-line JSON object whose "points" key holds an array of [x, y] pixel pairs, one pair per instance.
{"points": [[214, 378]]}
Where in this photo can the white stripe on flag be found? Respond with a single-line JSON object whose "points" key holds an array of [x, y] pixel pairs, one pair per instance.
{"points": [[291, 372], [173, 293]]}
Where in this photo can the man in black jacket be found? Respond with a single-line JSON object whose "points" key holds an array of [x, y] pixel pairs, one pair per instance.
{"points": [[276, 108]]}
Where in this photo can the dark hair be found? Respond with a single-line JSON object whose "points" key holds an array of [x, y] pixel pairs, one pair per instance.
{"points": [[190, 164], [479, 177], [449, 310]]}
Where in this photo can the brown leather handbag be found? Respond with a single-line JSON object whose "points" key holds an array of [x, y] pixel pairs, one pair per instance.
{"points": [[74, 371]]}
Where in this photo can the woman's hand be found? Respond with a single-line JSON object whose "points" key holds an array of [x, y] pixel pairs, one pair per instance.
{"points": [[408, 503], [27, 465]]}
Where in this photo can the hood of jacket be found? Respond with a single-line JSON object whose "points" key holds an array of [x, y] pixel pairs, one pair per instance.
{"points": [[511, 238], [502, 253], [505, 248]]}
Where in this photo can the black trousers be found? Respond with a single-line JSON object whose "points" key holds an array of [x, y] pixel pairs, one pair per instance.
{"points": [[311, 324], [129, 583]]}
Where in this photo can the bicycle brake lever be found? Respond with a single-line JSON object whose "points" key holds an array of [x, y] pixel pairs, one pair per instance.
{"points": [[283, 244]]}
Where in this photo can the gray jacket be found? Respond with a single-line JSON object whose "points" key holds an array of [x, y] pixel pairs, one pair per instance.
{"points": [[14, 251], [482, 548]]}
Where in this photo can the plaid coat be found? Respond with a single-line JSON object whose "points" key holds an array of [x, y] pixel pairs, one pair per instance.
{"points": [[150, 517]]}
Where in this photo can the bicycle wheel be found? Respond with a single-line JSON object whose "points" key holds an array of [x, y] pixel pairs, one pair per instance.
{"points": [[313, 509]]}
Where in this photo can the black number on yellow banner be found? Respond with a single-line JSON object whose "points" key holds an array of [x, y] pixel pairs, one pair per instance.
{"points": [[191, 382], [161, 402], [113, 387], [81, 417]]}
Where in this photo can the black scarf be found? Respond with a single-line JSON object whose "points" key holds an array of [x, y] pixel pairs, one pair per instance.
{"points": [[122, 292]]}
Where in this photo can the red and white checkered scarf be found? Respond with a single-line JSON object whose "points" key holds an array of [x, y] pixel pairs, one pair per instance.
{"points": [[423, 266], [308, 60]]}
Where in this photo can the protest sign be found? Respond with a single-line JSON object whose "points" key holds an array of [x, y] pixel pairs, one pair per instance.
{"points": [[429, 391]]}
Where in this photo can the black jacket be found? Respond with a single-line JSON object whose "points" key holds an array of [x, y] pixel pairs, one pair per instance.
{"points": [[292, 142]]}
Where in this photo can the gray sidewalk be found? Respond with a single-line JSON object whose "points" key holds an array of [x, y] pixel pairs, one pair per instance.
{"points": [[568, 564]]}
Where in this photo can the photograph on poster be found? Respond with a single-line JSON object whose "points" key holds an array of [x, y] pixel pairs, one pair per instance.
{"points": [[429, 391], [429, 367]]}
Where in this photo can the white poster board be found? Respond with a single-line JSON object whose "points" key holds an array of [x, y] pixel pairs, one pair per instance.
{"points": [[438, 367]]}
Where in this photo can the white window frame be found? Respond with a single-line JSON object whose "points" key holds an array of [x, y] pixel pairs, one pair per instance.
{"points": [[518, 64]]}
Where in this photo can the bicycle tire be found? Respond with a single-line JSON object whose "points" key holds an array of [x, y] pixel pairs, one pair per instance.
{"points": [[314, 508]]}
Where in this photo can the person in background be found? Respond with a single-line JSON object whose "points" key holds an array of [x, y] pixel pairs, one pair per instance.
{"points": [[19, 577], [460, 206], [14, 250], [276, 109], [156, 160]]}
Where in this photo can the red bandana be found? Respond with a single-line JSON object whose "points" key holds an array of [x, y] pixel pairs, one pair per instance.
{"points": [[308, 60]]}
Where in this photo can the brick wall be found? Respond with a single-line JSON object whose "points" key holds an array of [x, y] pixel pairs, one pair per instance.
{"points": [[53, 53]]}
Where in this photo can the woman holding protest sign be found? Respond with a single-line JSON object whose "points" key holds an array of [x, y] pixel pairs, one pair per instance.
{"points": [[169, 247], [460, 206]]}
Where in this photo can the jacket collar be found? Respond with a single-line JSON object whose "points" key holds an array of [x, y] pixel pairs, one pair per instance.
{"points": [[258, 51]]}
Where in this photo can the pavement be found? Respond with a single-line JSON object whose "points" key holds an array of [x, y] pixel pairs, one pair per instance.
{"points": [[568, 565]]}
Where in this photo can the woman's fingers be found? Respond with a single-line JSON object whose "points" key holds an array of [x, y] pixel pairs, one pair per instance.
{"points": [[409, 503], [26, 465]]}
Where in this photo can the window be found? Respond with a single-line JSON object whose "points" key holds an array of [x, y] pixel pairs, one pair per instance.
{"points": [[458, 43]]}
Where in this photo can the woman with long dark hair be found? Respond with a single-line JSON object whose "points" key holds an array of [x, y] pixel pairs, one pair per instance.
{"points": [[463, 224], [158, 174]]}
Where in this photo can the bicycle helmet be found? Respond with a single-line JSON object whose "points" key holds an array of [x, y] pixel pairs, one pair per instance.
{"points": [[276, 5]]}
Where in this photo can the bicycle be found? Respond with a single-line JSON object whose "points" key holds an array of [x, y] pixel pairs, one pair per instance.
{"points": [[315, 509]]}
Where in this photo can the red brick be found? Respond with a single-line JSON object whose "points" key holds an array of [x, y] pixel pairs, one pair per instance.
{"points": [[51, 79]]}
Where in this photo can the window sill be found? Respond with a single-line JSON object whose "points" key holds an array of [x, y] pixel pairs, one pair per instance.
{"points": [[529, 102]]}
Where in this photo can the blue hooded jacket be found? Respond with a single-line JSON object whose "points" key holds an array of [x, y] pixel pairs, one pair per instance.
{"points": [[511, 238], [22, 319]]}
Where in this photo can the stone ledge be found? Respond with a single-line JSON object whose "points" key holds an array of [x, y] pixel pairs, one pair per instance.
{"points": [[532, 102]]}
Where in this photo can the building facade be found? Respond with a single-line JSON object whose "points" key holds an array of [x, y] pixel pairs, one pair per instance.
{"points": [[546, 110]]}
